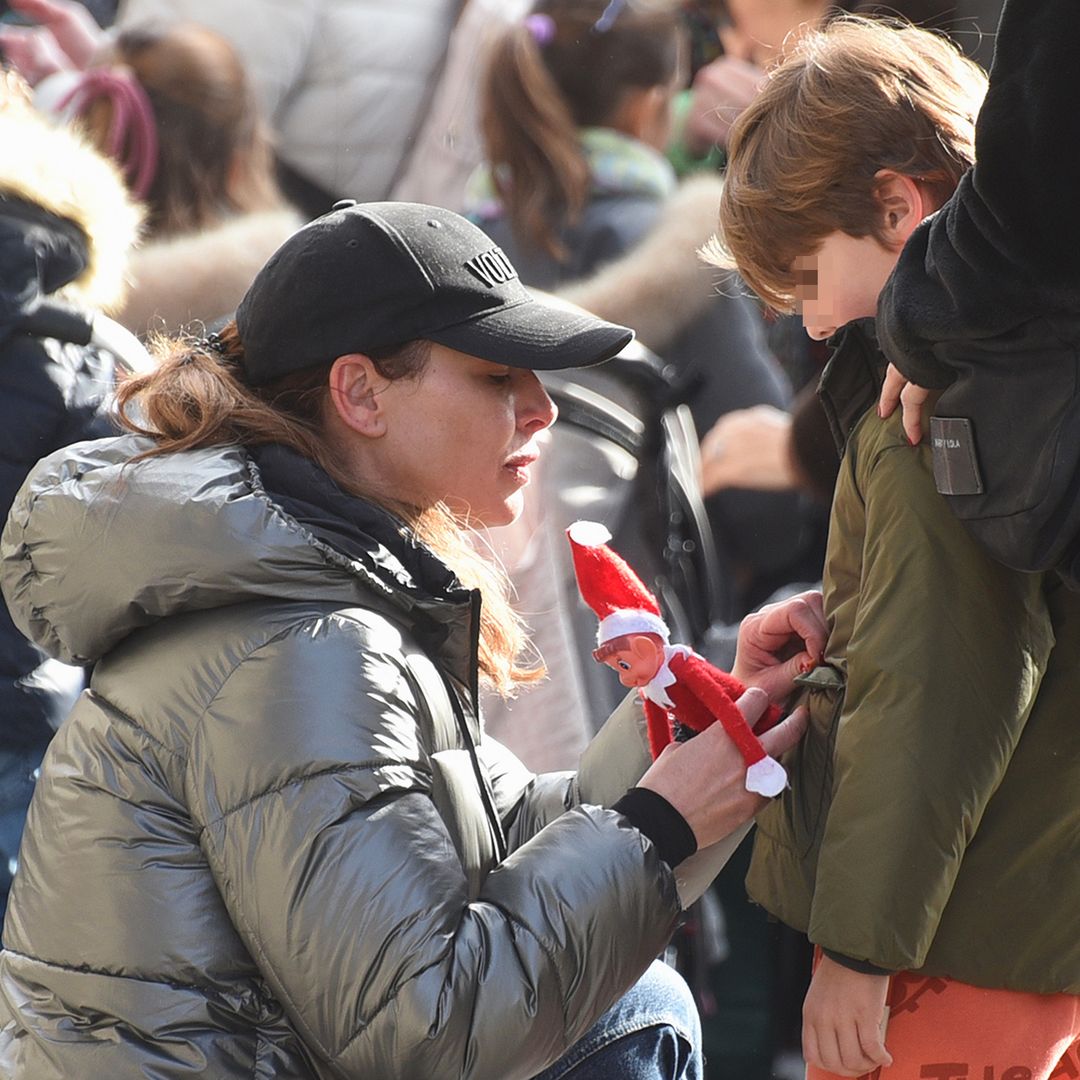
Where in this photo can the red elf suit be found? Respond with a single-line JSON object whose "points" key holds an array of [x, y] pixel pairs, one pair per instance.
{"points": [[686, 691]]}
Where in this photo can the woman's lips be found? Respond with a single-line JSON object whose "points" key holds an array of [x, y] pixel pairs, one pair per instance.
{"points": [[518, 466]]}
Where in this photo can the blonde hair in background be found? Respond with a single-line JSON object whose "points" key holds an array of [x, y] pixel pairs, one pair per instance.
{"points": [[855, 97], [196, 397]]}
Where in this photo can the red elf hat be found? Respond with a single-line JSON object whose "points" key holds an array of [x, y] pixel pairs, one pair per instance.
{"points": [[611, 588]]}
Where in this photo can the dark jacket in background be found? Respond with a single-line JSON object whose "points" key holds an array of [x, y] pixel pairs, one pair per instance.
{"points": [[985, 303]]}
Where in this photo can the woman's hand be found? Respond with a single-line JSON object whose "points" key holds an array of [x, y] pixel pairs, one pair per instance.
{"points": [[896, 390], [780, 641], [844, 1020], [705, 778], [70, 24], [749, 448]]}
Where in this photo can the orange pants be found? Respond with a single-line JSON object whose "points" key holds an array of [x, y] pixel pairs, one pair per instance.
{"points": [[940, 1029]]}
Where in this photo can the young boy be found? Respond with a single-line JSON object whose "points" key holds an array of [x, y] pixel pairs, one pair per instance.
{"points": [[930, 842]]}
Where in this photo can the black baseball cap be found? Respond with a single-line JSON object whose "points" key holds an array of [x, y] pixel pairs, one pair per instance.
{"points": [[368, 276]]}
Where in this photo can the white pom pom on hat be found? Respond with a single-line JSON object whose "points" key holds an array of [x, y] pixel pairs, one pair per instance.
{"points": [[588, 533]]}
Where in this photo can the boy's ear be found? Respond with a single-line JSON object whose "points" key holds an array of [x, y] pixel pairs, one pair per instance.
{"points": [[355, 387], [903, 206]]}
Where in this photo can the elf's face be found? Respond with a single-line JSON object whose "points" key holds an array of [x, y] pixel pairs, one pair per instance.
{"points": [[639, 661]]}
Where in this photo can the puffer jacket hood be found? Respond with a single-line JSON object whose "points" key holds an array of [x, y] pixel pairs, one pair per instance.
{"points": [[78, 579], [65, 216]]}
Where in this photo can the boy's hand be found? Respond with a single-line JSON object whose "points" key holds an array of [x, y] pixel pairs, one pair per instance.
{"points": [[896, 390], [844, 1020], [781, 641]]}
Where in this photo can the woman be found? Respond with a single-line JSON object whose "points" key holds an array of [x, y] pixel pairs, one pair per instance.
{"points": [[272, 839]]}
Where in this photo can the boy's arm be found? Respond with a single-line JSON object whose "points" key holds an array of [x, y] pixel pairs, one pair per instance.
{"points": [[1006, 247], [844, 1020], [944, 662]]}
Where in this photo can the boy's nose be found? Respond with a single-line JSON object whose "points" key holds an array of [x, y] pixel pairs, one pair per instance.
{"points": [[817, 331]]}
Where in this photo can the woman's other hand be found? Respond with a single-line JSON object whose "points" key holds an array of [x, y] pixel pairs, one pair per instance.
{"points": [[70, 24], [749, 448], [896, 390], [780, 641], [844, 1020], [705, 778]]}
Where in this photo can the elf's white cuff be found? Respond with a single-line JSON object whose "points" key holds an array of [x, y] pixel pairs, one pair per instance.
{"points": [[766, 777]]}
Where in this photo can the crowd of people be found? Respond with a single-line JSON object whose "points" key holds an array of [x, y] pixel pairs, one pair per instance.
{"points": [[366, 249]]}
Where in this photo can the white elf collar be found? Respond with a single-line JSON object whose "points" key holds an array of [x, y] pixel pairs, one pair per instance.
{"points": [[656, 688]]}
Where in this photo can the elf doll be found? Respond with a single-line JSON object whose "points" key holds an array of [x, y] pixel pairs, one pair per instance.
{"points": [[682, 692]]}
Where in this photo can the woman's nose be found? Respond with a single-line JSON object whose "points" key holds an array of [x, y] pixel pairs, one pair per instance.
{"points": [[536, 410]]}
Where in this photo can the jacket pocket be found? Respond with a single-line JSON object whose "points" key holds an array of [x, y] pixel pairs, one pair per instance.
{"points": [[796, 818]]}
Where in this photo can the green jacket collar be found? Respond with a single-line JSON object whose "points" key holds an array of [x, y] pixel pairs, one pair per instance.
{"points": [[851, 381]]}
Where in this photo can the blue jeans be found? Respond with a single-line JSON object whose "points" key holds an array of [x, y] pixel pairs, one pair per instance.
{"points": [[652, 1033], [18, 774]]}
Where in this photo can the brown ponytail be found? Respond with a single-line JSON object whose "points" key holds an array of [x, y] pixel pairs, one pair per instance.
{"points": [[196, 397], [530, 132], [539, 89]]}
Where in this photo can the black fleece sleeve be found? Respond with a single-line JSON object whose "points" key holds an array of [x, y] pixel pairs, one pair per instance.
{"points": [[654, 816], [1005, 248]]}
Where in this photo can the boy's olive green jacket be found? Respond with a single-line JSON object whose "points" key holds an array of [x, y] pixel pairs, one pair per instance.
{"points": [[933, 820]]}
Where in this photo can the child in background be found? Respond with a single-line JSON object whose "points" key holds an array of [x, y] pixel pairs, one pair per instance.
{"points": [[174, 108], [930, 845]]}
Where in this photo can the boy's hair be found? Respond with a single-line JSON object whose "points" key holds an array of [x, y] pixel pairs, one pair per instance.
{"points": [[857, 96], [567, 66]]}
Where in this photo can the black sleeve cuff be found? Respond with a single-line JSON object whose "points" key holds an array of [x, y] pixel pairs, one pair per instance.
{"points": [[656, 818], [863, 967]]}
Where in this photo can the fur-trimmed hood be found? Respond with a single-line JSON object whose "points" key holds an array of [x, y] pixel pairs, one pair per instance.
{"points": [[55, 169], [201, 276], [661, 286]]}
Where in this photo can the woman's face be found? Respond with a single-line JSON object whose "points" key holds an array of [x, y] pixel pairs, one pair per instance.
{"points": [[466, 433]]}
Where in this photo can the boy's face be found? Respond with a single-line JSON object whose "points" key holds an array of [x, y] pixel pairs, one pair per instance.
{"points": [[840, 282]]}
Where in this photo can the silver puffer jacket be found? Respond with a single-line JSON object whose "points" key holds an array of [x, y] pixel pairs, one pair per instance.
{"points": [[272, 839]]}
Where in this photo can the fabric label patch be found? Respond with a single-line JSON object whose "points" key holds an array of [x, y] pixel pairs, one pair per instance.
{"points": [[956, 470]]}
